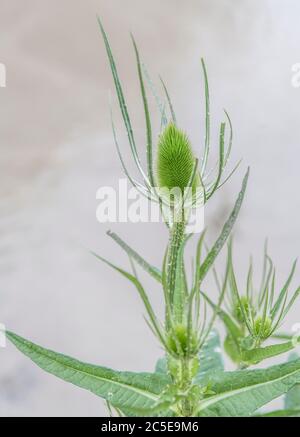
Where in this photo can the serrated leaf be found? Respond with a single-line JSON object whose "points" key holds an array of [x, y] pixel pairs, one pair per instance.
{"points": [[128, 391], [292, 398], [213, 253], [242, 393], [210, 356]]}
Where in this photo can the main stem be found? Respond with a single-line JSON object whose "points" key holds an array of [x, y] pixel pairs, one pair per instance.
{"points": [[176, 239], [181, 366]]}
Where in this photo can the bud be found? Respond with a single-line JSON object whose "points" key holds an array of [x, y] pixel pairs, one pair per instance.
{"points": [[181, 343], [241, 308], [262, 328], [175, 160]]}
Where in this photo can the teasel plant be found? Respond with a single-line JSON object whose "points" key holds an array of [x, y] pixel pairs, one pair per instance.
{"points": [[189, 380]]}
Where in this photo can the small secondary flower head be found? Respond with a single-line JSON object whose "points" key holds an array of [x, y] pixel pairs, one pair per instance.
{"points": [[261, 312]]}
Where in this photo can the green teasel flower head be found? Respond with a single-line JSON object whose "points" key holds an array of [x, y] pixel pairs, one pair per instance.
{"points": [[260, 310], [211, 180], [177, 167], [175, 160], [262, 328], [244, 305]]}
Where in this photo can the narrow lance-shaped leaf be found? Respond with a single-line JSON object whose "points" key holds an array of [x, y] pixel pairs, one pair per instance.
{"points": [[153, 271], [219, 304], [122, 102], [134, 183], [283, 292], [291, 303], [160, 104], [234, 287], [213, 253], [128, 391], [257, 355], [281, 336], [230, 138], [207, 120], [230, 174], [147, 115], [221, 162], [169, 101]]}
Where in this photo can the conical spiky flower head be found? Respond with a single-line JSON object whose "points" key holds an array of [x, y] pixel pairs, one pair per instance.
{"points": [[175, 160]]}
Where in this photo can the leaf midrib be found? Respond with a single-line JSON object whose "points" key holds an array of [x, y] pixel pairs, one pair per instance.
{"points": [[227, 394], [120, 384]]}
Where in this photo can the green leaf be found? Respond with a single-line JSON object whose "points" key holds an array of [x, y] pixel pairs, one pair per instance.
{"points": [[281, 336], [210, 356], [259, 354], [228, 152], [128, 391], [292, 398], [122, 102], [232, 349], [283, 292], [241, 393], [221, 162], [147, 115], [153, 271], [207, 119], [161, 366], [213, 253]]}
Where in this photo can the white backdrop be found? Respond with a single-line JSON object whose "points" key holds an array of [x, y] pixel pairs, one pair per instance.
{"points": [[57, 149]]}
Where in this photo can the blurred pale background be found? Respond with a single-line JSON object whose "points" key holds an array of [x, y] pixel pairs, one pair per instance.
{"points": [[57, 149]]}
